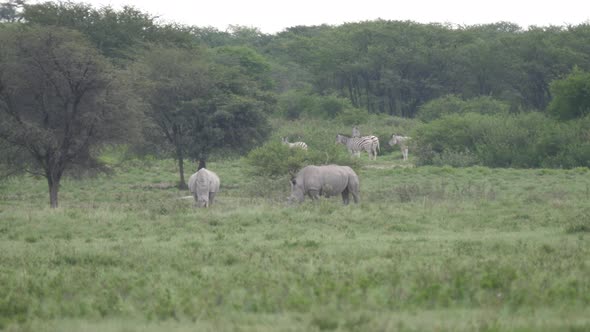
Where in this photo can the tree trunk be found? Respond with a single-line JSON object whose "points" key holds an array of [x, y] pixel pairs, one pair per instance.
{"points": [[180, 157], [53, 190]]}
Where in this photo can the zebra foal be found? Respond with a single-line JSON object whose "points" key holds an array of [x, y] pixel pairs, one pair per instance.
{"points": [[403, 142], [299, 145], [357, 144]]}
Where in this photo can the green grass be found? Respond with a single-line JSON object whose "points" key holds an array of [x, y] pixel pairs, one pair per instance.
{"points": [[428, 248]]}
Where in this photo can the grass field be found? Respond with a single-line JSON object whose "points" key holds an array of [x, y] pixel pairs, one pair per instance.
{"points": [[428, 249]]}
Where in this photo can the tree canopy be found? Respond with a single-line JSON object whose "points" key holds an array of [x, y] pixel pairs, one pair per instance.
{"points": [[202, 101], [571, 95], [59, 102]]}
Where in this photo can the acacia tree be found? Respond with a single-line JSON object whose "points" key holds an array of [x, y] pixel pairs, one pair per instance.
{"points": [[168, 79], [118, 34], [232, 116], [199, 104], [11, 10], [60, 101]]}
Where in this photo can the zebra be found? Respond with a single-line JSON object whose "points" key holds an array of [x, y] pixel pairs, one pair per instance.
{"points": [[356, 132], [299, 145], [403, 142], [357, 144]]}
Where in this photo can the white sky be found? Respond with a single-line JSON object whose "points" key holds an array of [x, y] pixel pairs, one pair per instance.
{"points": [[272, 16]]}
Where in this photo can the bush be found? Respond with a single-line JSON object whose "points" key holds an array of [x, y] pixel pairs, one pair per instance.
{"points": [[353, 116], [276, 160], [295, 104], [440, 107], [571, 96], [523, 140], [331, 106], [451, 104]]}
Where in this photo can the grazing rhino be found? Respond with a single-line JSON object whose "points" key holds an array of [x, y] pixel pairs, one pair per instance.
{"points": [[204, 184], [328, 180]]}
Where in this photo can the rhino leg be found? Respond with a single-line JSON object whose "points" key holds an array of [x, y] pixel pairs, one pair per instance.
{"points": [[211, 197], [345, 198], [355, 197], [314, 194], [353, 188]]}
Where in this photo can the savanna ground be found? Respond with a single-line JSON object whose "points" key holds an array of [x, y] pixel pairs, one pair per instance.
{"points": [[428, 248]]}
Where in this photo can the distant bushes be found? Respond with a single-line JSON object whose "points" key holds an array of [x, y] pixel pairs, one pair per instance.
{"points": [[451, 104], [297, 104], [275, 159], [571, 95], [502, 140]]}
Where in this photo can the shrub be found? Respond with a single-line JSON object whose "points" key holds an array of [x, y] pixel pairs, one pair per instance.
{"points": [[451, 104], [331, 106], [353, 116], [522, 140], [275, 159], [295, 104], [571, 96], [486, 105], [440, 107]]}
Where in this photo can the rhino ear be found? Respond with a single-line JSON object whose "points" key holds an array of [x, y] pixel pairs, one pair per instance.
{"points": [[293, 181]]}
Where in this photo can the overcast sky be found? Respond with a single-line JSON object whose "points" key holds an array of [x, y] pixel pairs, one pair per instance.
{"points": [[272, 16]]}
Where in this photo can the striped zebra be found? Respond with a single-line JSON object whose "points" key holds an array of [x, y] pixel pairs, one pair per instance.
{"points": [[403, 142], [356, 132], [299, 145], [357, 144]]}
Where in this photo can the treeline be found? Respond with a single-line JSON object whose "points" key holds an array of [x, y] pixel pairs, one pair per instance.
{"points": [[391, 67], [395, 67]]}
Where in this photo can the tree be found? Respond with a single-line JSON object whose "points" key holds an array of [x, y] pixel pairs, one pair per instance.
{"points": [[233, 116], [571, 95], [200, 105], [232, 123], [11, 10], [169, 79], [451, 104], [119, 34], [439, 107], [60, 101]]}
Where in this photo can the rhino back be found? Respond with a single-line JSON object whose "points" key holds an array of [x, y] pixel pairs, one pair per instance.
{"points": [[192, 183], [329, 179], [214, 182], [309, 178], [334, 179], [206, 181]]}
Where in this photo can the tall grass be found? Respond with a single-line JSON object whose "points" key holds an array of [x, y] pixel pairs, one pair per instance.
{"points": [[428, 248]]}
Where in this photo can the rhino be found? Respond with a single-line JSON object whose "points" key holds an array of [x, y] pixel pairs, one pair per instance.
{"points": [[327, 180], [204, 184]]}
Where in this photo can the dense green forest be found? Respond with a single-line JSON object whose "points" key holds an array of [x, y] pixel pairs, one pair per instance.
{"points": [[391, 67], [497, 95]]}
